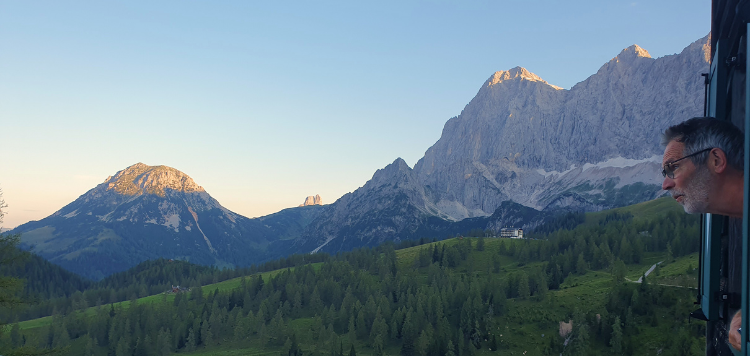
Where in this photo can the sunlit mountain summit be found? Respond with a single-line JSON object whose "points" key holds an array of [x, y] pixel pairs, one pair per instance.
{"points": [[524, 141], [146, 212]]}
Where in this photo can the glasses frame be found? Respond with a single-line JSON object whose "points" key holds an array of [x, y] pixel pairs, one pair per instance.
{"points": [[670, 173]]}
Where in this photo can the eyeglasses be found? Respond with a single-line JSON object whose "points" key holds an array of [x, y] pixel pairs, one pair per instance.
{"points": [[669, 167]]}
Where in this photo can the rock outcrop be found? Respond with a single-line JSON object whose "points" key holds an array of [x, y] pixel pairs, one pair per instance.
{"points": [[312, 200]]}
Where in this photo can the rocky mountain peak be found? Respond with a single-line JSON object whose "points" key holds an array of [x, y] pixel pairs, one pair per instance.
{"points": [[632, 52], [144, 179], [398, 168], [522, 141], [313, 200], [517, 73], [701, 46], [147, 212]]}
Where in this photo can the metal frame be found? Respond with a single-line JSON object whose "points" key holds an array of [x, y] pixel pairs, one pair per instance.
{"points": [[725, 51], [712, 225], [746, 213]]}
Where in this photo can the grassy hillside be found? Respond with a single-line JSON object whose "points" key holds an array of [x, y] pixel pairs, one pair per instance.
{"points": [[224, 286], [468, 295]]}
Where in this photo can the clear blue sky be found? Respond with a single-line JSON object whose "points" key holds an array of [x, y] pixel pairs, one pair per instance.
{"points": [[264, 103]]}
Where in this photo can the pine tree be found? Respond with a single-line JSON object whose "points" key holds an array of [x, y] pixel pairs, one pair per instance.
{"points": [[423, 342], [140, 347], [616, 340], [196, 294], [352, 334], [496, 263], [461, 342], [480, 243], [277, 328], [476, 335], [581, 266], [9, 254], [670, 256], [315, 303], [379, 328], [541, 285], [62, 338], [408, 335], [294, 349], [287, 347], [451, 349], [297, 305], [502, 249], [523, 286], [15, 335], [89, 343], [493, 343], [618, 271], [377, 346], [123, 348], [361, 329], [190, 343], [206, 334], [163, 344]]}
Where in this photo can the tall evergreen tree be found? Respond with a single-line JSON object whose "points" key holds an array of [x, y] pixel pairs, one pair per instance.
{"points": [[480, 243], [377, 346], [450, 349], [581, 265], [616, 340], [523, 285]]}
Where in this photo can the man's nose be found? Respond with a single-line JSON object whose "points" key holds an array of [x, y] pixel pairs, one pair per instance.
{"points": [[667, 184]]}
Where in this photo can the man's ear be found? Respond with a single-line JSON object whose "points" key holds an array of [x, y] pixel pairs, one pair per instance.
{"points": [[717, 160]]}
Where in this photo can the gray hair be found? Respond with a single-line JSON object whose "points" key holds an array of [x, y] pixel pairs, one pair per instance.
{"points": [[700, 133]]}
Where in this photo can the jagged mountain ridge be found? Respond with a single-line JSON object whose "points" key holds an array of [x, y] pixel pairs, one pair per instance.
{"points": [[393, 205], [519, 137], [523, 140], [395, 187], [146, 212]]}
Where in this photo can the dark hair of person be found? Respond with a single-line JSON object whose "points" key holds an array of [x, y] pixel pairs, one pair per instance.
{"points": [[700, 133]]}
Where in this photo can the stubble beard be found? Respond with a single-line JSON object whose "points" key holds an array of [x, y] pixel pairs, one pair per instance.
{"points": [[695, 194]]}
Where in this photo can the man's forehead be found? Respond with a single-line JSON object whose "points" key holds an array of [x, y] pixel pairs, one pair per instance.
{"points": [[673, 151]]}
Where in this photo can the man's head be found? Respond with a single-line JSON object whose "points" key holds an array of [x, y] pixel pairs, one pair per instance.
{"points": [[701, 155]]}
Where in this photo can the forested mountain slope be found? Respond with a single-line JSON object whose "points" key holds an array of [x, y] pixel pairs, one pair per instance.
{"points": [[459, 296]]}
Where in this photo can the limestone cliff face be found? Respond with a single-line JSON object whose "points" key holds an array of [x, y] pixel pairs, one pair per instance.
{"points": [[523, 148], [312, 200], [520, 136], [142, 179]]}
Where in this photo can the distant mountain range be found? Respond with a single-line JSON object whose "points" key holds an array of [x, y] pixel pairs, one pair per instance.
{"points": [[146, 212], [520, 151]]}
